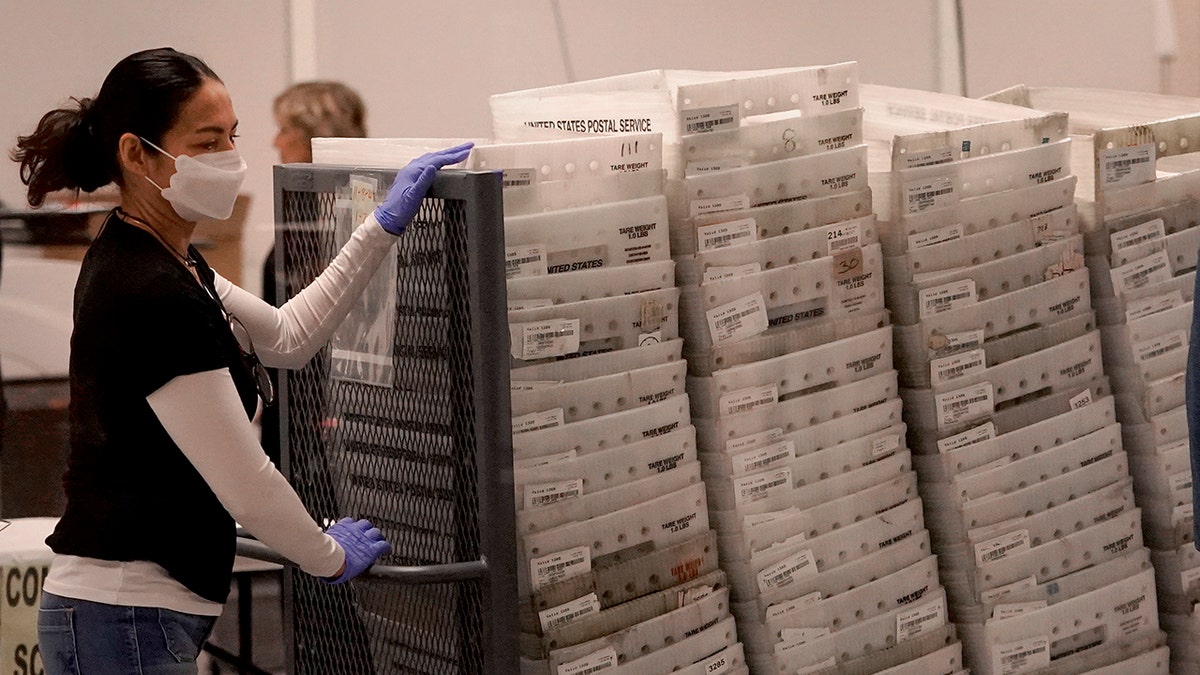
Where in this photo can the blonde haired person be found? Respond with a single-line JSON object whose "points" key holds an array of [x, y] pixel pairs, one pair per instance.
{"points": [[318, 109]]}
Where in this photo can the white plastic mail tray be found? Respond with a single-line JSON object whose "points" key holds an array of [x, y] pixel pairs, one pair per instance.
{"points": [[603, 282], [1153, 297], [591, 326], [748, 253], [601, 433], [945, 660], [1069, 586], [1138, 340], [813, 90], [1143, 226], [606, 235], [1165, 473], [951, 145], [595, 365], [1181, 245], [605, 394], [562, 195], [567, 159], [773, 220], [783, 135], [1177, 573], [740, 388]]}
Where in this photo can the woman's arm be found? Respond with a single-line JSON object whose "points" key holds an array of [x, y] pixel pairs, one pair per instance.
{"points": [[204, 416]]}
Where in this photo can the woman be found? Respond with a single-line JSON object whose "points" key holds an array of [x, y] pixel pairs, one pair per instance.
{"points": [[164, 376], [318, 109]]}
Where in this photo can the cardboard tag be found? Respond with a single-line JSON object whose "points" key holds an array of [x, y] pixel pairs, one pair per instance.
{"points": [[1016, 609], [543, 419], [964, 405], [738, 320], [745, 400], [1153, 269], [704, 207], [524, 261], [724, 235], [549, 338], [1001, 547], [926, 194], [595, 662], [1148, 231], [947, 297], [754, 440], [952, 367], [759, 486], [705, 120], [979, 434], [1137, 309], [558, 566], [718, 272], [843, 238], [544, 494], [1021, 656], [920, 620], [1125, 167], [935, 237], [569, 611], [782, 574], [763, 458], [1160, 346]]}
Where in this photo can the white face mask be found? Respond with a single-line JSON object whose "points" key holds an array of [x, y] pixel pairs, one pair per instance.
{"points": [[203, 186]]}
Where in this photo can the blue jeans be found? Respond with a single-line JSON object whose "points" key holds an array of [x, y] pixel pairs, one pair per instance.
{"points": [[78, 637]]}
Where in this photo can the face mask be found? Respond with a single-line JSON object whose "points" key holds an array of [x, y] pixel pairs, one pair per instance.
{"points": [[204, 186]]}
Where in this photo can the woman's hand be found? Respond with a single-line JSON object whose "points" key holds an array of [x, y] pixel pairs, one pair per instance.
{"points": [[363, 544], [412, 182]]}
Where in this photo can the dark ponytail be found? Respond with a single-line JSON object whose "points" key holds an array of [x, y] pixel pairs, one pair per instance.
{"points": [[75, 147]]}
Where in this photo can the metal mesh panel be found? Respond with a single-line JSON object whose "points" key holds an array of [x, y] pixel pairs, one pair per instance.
{"points": [[405, 457]]}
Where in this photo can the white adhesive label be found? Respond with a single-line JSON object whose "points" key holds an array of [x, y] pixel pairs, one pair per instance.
{"points": [[964, 405], [745, 400], [718, 664], [920, 620], [1001, 547], [884, 446], [994, 594], [738, 320], [703, 207], [1008, 611], [927, 194], [952, 367], [763, 458], [532, 385], [754, 440], [1081, 400], [1153, 230], [1137, 309], [947, 297], [569, 611], [545, 460], [1153, 269], [979, 434], [517, 178], [712, 166], [1160, 346], [524, 261], [544, 494], [724, 235], [1188, 578], [1042, 232], [781, 574], [718, 272], [787, 607], [913, 160], [543, 419], [759, 486], [1021, 656], [1123, 167], [935, 237], [953, 343], [533, 303], [704, 120], [841, 238], [544, 339], [592, 663], [558, 566], [1180, 481]]}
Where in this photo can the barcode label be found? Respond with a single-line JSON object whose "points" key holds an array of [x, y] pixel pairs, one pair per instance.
{"points": [[532, 385], [703, 207], [784, 573], [935, 237], [964, 405], [841, 238], [704, 120], [558, 566], [1022, 656], [754, 440], [569, 611], [712, 166], [1180, 481], [954, 343], [511, 178], [923, 195], [782, 609], [794, 637], [543, 419], [1001, 547], [947, 297], [920, 620], [544, 460], [544, 339], [1081, 400], [718, 272], [545, 494], [524, 261], [745, 400], [763, 458], [1160, 346], [724, 235], [979, 434], [759, 486], [737, 320], [884, 446], [1123, 167], [952, 367], [1153, 269], [995, 594], [535, 303], [1016, 609], [1149, 231], [913, 160], [592, 663], [1137, 309]]}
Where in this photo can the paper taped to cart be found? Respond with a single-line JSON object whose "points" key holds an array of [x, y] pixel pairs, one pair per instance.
{"points": [[595, 365], [615, 234], [773, 220], [543, 290], [741, 388], [797, 413], [592, 326], [601, 433], [736, 247], [603, 395], [768, 138], [614, 466], [927, 148], [979, 214]]}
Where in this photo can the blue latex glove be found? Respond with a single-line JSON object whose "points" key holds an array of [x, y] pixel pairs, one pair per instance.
{"points": [[412, 182], [363, 544]]}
